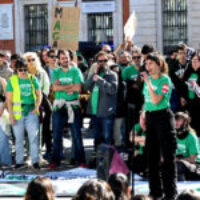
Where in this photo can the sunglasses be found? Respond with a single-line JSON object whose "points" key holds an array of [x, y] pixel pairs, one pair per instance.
{"points": [[22, 70], [136, 57], [31, 60], [52, 56], [102, 61]]}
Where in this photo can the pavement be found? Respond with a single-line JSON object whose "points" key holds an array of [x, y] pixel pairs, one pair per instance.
{"points": [[88, 146]]}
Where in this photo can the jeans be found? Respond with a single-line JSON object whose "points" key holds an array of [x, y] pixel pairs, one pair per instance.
{"points": [[31, 124], [59, 121], [102, 129], [5, 156]]}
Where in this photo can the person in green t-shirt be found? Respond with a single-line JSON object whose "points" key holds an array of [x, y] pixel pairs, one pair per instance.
{"points": [[138, 138], [192, 100], [67, 82], [160, 129], [23, 99], [188, 149]]}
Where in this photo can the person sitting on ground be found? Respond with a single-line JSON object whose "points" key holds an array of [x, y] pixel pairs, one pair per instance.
{"points": [[188, 149], [40, 188], [188, 195], [138, 137], [120, 186], [94, 190]]}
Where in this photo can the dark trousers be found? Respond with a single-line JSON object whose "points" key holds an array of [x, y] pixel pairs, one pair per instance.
{"points": [[102, 129], [59, 121], [161, 147], [46, 112], [187, 171]]}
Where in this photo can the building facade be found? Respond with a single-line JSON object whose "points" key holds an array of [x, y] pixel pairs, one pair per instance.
{"points": [[161, 23]]}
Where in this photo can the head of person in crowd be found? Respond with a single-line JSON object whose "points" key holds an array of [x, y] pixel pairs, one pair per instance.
{"points": [[40, 188], [21, 68], [173, 53], [146, 50], [52, 58], [94, 190], [188, 195], [81, 64], [153, 64], [13, 60], [102, 62], [182, 123], [120, 186], [33, 62], [163, 65], [125, 58], [182, 53], [2, 58], [137, 57], [106, 48], [63, 58], [7, 55], [141, 197], [196, 61], [44, 57], [72, 56]]}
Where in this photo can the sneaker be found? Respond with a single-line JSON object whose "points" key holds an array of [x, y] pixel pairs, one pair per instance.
{"points": [[20, 166], [36, 166], [52, 166], [83, 165]]}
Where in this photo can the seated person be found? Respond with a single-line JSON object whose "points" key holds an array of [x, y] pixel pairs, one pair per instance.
{"points": [[187, 150], [137, 136]]}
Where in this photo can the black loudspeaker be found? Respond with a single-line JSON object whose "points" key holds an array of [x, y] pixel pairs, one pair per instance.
{"points": [[103, 161]]}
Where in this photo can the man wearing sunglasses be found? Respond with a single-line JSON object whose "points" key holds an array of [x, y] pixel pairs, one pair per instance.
{"points": [[102, 104], [23, 99]]}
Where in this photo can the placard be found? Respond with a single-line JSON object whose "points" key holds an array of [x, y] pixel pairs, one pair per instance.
{"points": [[65, 27]]}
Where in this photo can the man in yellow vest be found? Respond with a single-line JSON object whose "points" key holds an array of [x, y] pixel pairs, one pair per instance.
{"points": [[24, 98]]}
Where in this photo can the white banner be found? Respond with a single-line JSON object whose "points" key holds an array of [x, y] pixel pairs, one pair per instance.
{"points": [[98, 7], [6, 22]]}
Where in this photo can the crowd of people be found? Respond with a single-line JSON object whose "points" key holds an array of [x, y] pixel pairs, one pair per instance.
{"points": [[117, 188], [133, 97]]}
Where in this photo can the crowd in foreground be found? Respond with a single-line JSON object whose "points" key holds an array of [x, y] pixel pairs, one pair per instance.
{"points": [[117, 188], [130, 95]]}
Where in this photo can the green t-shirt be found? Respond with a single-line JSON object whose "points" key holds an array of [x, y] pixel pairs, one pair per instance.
{"points": [[27, 97], [139, 132], [193, 77], [161, 86], [95, 97], [188, 146], [130, 73], [72, 76]]}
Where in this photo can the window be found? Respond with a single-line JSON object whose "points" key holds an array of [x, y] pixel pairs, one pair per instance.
{"points": [[174, 22], [36, 26], [100, 27]]}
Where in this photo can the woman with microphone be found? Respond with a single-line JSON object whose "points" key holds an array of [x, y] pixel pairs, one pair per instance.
{"points": [[160, 129]]}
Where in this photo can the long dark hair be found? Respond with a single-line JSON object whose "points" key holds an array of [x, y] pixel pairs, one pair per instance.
{"points": [[40, 188]]}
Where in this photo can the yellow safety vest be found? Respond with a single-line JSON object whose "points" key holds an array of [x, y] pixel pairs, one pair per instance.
{"points": [[16, 95]]}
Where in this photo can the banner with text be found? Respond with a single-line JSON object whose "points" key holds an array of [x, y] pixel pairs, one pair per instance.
{"points": [[65, 28]]}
